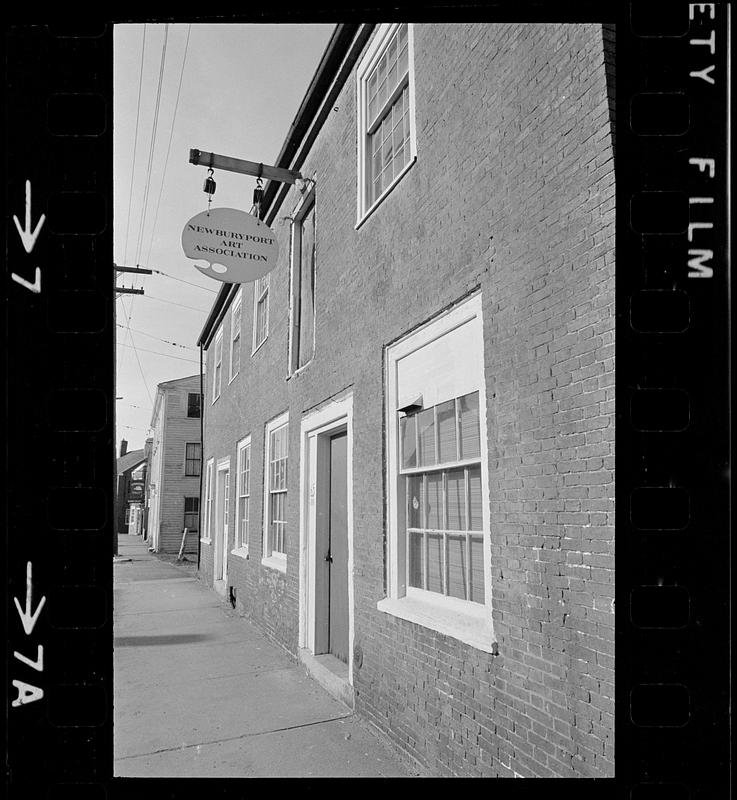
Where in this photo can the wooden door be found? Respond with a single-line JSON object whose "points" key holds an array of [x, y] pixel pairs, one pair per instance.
{"points": [[338, 548]]}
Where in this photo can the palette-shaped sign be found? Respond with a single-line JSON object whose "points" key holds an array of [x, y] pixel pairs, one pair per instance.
{"points": [[238, 247]]}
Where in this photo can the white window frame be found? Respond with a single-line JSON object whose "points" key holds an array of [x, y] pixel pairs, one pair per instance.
{"points": [[368, 61], [261, 292], [241, 547], [206, 520], [467, 621], [303, 207], [272, 559], [217, 374], [236, 333]]}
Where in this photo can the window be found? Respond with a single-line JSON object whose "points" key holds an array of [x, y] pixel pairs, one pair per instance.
{"points": [[217, 372], [439, 568], [193, 404], [137, 474], [275, 519], [260, 311], [235, 348], [192, 513], [386, 135], [440, 458], [127, 515], [208, 500], [244, 493], [302, 328], [192, 456]]}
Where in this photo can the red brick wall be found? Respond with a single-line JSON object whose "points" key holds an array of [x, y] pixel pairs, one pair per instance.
{"points": [[512, 192]]}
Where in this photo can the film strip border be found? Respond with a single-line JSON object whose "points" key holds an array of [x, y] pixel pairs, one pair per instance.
{"points": [[60, 409], [673, 449], [673, 414]]}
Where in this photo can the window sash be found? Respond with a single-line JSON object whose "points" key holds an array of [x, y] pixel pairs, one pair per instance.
{"points": [[217, 372], [277, 494], [261, 313], [235, 341], [193, 404], [244, 492], [400, 60], [192, 459]]}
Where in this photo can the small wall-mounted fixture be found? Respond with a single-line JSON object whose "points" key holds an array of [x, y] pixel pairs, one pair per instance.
{"points": [[413, 407]]}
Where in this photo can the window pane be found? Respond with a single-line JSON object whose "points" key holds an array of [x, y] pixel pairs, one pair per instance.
{"points": [[447, 439], [474, 487], [477, 569], [434, 562], [457, 566], [468, 410], [408, 441], [415, 560], [426, 422], [456, 500], [434, 507], [414, 501]]}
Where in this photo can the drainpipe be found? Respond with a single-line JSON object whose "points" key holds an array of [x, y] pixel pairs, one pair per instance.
{"points": [[202, 464]]}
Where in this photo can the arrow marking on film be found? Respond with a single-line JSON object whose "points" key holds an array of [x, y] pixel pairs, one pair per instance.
{"points": [[34, 287], [26, 617], [27, 237]]}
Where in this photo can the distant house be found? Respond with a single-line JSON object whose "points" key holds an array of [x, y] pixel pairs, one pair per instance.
{"points": [[173, 491], [131, 469]]}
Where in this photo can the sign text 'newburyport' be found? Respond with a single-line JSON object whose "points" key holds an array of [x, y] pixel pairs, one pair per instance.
{"points": [[238, 247]]}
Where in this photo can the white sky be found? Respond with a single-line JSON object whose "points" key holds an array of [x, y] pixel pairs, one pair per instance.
{"points": [[240, 90]]}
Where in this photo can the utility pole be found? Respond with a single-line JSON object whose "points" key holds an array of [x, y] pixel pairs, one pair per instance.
{"points": [[119, 290]]}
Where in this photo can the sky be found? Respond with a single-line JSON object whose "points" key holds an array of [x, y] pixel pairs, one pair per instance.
{"points": [[230, 89]]}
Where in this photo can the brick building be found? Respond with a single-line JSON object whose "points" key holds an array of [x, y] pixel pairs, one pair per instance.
{"points": [[173, 488], [409, 423]]}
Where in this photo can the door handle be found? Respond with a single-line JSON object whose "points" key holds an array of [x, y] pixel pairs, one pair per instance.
{"points": [[329, 558]]}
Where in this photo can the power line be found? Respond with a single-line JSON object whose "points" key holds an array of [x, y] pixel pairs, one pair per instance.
{"points": [[171, 302], [153, 145], [196, 285], [168, 148], [135, 144], [165, 355], [140, 368], [166, 341]]}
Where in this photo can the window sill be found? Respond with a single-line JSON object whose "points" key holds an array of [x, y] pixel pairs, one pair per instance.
{"points": [[241, 552], [206, 541], [233, 377], [456, 619], [369, 211], [275, 561]]}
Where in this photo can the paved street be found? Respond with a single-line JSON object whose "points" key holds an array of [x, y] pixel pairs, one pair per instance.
{"points": [[200, 692]]}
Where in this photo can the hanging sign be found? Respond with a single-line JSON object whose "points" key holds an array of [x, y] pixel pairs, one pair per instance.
{"points": [[238, 247]]}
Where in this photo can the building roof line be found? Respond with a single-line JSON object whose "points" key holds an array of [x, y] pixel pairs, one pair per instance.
{"points": [[325, 74]]}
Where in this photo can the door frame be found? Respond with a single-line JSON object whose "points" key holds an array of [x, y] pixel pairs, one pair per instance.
{"points": [[316, 429], [220, 545]]}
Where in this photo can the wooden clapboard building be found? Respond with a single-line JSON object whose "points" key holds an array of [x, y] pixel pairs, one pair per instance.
{"points": [[173, 488], [409, 422]]}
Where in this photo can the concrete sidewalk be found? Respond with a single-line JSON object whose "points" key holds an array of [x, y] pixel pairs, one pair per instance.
{"points": [[201, 692]]}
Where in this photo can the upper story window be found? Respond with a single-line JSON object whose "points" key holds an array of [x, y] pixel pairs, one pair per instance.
{"points": [[302, 311], [260, 311], [235, 337], [386, 127], [192, 513], [192, 457], [217, 375], [193, 404]]}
